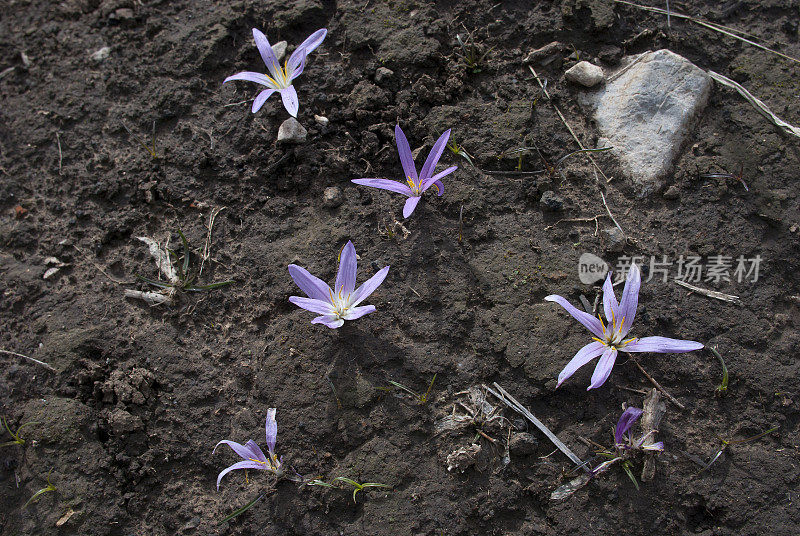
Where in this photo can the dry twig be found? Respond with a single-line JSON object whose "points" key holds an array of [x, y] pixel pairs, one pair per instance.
{"points": [[710, 293], [31, 359]]}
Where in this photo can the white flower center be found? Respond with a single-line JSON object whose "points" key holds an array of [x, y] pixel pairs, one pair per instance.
{"points": [[340, 302]]}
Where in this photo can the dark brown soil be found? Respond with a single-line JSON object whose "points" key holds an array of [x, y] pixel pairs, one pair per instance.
{"points": [[140, 396]]}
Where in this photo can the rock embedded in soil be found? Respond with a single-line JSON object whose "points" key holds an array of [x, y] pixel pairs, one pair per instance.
{"points": [[332, 197], [552, 202], [382, 73], [585, 74], [279, 49], [321, 120], [645, 111], [615, 239], [291, 131]]}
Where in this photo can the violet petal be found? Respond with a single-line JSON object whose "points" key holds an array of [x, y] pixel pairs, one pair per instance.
{"points": [[584, 355], [289, 96], [261, 98], [250, 76], [265, 49], [346, 276], [332, 321], [589, 322], [272, 430], [661, 345], [427, 183], [238, 448], [385, 184], [310, 304], [630, 299], [240, 465], [358, 312], [404, 150], [411, 204], [626, 420], [434, 156], [603, 368], [313, 286], [610, 303]]}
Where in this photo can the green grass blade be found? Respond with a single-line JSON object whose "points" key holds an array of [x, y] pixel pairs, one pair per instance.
{"points": [[185, 253], [159, 284], [241, 510]]}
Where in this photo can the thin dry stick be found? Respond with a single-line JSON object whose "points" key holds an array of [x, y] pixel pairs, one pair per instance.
{"points": [[207, 246], [730, 298], [659, 387], [611, 215], [578, 220], [503, 395], [60, 158], [563, 120], [32, 360]]}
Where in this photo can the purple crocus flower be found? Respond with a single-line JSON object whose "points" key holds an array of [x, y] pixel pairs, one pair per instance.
{"points": [[341, 302], [253, 457], [610, 337], [624, 441], [281, 77], [417, 185]]}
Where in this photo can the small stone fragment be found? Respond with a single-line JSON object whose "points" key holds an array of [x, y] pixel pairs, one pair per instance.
{"points": [[673, 192], [585, 74], [321, 120], [101, 54], [382, 73], [124, 13], [615, 240], [546, 53], [523, 443], [550, 201], [279, 49], [291, 131], [463, 457], [332, 197]]}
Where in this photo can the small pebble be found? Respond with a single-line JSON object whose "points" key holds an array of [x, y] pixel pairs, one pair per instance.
{"points": [[550, 201], [615, 240], [291, 131], [279, 49], [332, 197], [101, 55], [585, 74], [321, 120], [382, 73], [673, 192]]}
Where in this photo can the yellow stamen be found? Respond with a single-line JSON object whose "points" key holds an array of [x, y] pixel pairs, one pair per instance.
{"points": [[602, 324], [599, 340]]}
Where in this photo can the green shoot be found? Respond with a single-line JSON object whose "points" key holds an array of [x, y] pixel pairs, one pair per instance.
{"points": [[241, 510], [726, 443], [49, 487], [359, 487], [423, 398], [17, 439], [473, 54], [460, 151], [151, 150], [722, 388], [185, 280], [549, 168], [626, 466]]}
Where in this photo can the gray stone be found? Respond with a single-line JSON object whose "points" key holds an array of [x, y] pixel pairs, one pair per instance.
{"points": [[279, 49], [332, 197], [321, 120], [101, 55], [585, 74], [645, 111], [615, 240], [382, 73], [291, 131], [673, 192], [550, 201]]}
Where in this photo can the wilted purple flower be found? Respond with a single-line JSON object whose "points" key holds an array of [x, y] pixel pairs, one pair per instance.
{"points": [[253, 456], [417, 185], [282, 77], [610, 338], [624, 441], [340, 303]]}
